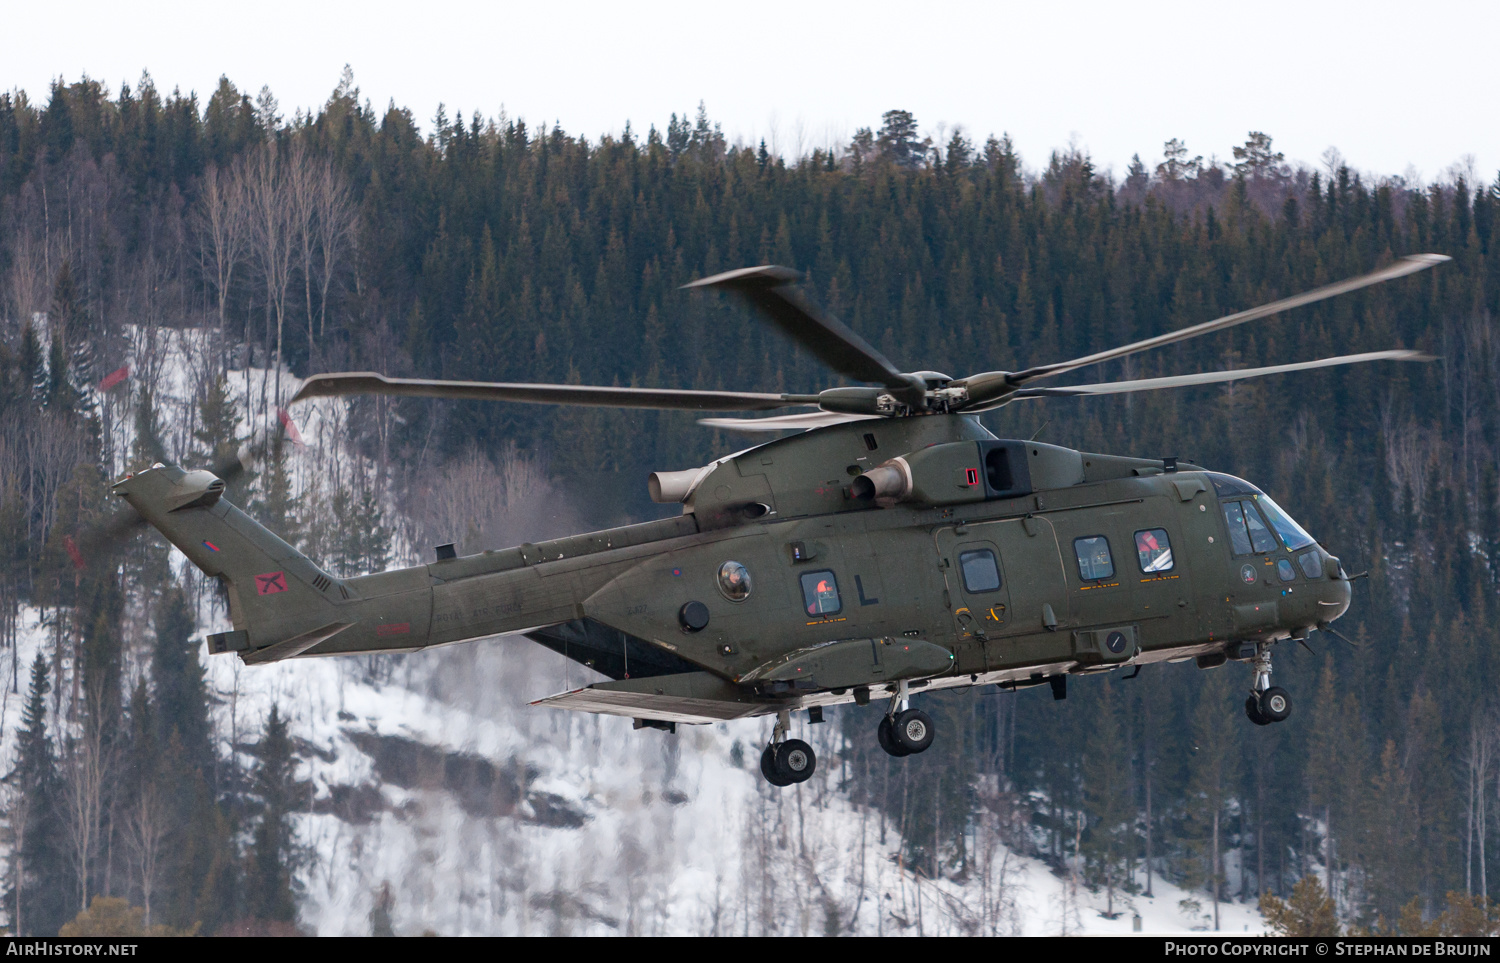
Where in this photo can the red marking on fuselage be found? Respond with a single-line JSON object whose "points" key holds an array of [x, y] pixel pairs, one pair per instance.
{"points": [[270, 583]]}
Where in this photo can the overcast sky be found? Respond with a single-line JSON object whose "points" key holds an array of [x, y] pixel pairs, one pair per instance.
{"points": [[1397, 88]]}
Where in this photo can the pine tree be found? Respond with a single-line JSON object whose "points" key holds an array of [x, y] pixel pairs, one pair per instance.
{"points": [[217, 438], [275, 506], [1215, 773], [181, 692], [146, 447], [1309, 912], [380, 916], [373, 539], [1106, 795], [274, 856], [60, 395], [40, 890], [31, 364]]}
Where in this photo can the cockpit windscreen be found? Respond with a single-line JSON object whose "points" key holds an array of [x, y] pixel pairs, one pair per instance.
{"points": [[1291, 533]]}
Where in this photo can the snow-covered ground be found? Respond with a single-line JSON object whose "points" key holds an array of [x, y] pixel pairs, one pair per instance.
{"points": [[430, 775]]}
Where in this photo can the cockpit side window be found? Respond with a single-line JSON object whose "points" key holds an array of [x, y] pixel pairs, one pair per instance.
{"points": [[1248, 533], [1260, 535], [1234, 517]]}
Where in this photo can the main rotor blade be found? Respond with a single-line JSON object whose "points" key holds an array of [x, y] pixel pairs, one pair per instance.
{"points": [[1401, 268], [830, 341], [1216, 377], [796, 422], [368, 382]]}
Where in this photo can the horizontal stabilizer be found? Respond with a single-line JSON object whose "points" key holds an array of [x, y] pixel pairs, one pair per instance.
{"points": [[690, 697]]}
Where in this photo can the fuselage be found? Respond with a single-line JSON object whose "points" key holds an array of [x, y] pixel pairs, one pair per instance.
{"points": [[1001, 561]]}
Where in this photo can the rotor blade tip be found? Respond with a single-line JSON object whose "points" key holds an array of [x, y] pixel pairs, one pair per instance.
{"points": [[1431, 260], [768, 275]]}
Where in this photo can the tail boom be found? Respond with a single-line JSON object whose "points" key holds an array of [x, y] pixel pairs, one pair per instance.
{"points": [[284, 606]]}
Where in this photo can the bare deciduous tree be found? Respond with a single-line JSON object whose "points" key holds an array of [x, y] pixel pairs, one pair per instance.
{"points": [[302, 183], [18, 819], [145, 829], [337, 224], [86, 772], [222, 224], [271, 234], [470, 500]]}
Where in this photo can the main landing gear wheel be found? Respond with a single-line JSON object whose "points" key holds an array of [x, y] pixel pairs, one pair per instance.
{"points": [[1275, 704], [1266, 703], [768, 768], [912, 730], [887, 739], [795, 761], [788, 763]]}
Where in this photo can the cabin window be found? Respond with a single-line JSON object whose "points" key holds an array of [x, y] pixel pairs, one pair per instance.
{"points": [[1247, 531], [1312, 566], [1094, 560], [1154, 550], [1285, 571], [980, 571], [734, 581], [820, 593]]}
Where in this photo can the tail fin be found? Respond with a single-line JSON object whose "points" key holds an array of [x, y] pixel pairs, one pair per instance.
{"points": [[280, 602]]}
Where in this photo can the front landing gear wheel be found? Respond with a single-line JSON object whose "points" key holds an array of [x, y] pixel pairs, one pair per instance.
{"points": [[768, 768], [887, 740], [1252, 710], [795, 761], [1275, 704], [912, 730]]}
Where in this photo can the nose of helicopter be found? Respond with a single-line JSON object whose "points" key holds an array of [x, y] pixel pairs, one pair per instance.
{"points": [[1335, 594]]}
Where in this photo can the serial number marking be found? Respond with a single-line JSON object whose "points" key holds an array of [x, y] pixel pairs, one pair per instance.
{"points": [[509, 608], [636, 610]]}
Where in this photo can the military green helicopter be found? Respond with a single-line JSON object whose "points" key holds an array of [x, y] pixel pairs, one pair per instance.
{"points": [[890, 546]]}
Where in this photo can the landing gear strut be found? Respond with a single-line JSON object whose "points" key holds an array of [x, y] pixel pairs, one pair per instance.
{"points": [[1266, 703], [904, 731], [785, 762]]}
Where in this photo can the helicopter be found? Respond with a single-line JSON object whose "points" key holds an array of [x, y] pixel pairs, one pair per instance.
{"points": [[888, 546]]}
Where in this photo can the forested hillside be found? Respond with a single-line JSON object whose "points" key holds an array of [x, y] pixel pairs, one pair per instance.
{"points": [[481, 248]]}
